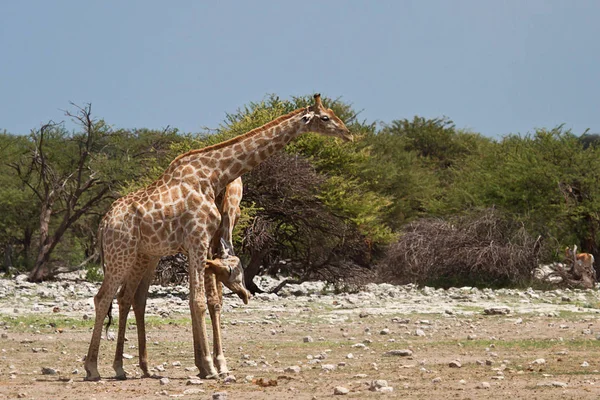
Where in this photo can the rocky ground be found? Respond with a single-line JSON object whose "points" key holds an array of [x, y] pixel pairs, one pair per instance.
{"points": [[310, 343]]}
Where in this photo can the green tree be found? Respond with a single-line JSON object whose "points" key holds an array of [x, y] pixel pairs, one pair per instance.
{"points": [[548, 180]]}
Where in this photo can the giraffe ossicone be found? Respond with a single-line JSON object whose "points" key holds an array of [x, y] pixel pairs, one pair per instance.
{"points": [[179, 212]]}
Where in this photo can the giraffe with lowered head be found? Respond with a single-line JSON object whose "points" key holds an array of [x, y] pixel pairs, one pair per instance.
{"points": [[226, 269], [178, 213]]}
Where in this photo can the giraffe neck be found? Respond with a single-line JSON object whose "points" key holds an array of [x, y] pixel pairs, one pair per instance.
{"points": [[224, 162]]}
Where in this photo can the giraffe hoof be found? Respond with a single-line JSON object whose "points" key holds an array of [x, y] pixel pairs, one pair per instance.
{"points": [[92, 378], [121, 377], [208, 376], [223, 374]]}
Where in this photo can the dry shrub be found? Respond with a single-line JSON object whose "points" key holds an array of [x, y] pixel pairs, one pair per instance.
{"points": [[483, 248], [172, 270]]}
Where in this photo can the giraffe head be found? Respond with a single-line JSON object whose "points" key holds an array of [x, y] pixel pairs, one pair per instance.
{"points": [[229, 271], [324, 121]]}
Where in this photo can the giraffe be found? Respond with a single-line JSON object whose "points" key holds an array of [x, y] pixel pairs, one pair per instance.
{"points": [[227, 269], [178, 213]]}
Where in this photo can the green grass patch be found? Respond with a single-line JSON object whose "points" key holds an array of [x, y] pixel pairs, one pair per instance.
{"points": [[523, 344], [44, 323]]}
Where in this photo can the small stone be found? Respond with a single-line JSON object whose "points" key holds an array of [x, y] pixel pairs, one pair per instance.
{"points": [[219, 396], [462, 382], [436, 380], [194, 381], [4, 336], [21, 395], [294, 369], [349, 356], [399, 353], [127, 356], [229, 379], [539, 361], [585, 364], [376, 385], [502, 310], [193, 391], [419, 332], [160, 368], [75, 371], [455, 364], [552, 384], [483, 385], [385, 331], [164, 381], [328, 367], [340, 390], [176, 363], [471, 337], [308, 339], [49, 371]]}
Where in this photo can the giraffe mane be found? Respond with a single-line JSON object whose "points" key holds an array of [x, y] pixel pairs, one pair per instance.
{"points": [[243, 136]]}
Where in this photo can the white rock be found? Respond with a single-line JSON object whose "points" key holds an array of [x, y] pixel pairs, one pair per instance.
{"points": [[376, 385], [164, 381], [483, 385], [294, 369], [340, 390]]}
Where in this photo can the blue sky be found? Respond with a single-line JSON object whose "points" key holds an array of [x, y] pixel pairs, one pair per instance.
{"points": [[495, 67]]}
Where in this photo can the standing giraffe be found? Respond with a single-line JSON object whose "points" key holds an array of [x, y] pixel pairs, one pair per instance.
{"points": [[178, 213], [227, 269]]}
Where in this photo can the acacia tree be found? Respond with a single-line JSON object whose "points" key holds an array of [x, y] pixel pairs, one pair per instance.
{"points": [[77, 175], [58, 170]]}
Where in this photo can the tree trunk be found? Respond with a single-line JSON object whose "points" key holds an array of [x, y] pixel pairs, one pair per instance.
{"points": [[27, 237], [40, 268], [252, 269]]}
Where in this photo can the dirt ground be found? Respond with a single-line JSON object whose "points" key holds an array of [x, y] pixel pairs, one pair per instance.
{"points": [[348, 349]]}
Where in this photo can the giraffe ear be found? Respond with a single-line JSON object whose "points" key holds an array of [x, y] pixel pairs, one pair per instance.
{"points": [[308, 117]]}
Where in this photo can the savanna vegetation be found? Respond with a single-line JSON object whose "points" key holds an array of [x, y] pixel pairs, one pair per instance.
{"points": [[416, 199]]}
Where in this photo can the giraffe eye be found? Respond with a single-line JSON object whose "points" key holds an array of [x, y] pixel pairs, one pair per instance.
{"points": [[325, 118]]}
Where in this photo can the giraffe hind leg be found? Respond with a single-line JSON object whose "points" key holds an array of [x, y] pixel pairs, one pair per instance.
{"points": [[139, 309], [124, 299], [102, 303]]}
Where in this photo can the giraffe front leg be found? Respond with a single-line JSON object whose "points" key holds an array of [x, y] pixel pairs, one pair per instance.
{"points": [[198, 307], [214, 296]]}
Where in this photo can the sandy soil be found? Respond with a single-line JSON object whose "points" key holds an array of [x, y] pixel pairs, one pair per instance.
{"points": [[266, 337]]}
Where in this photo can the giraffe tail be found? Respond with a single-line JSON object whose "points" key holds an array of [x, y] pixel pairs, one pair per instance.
{"points": [[101, 252]]}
